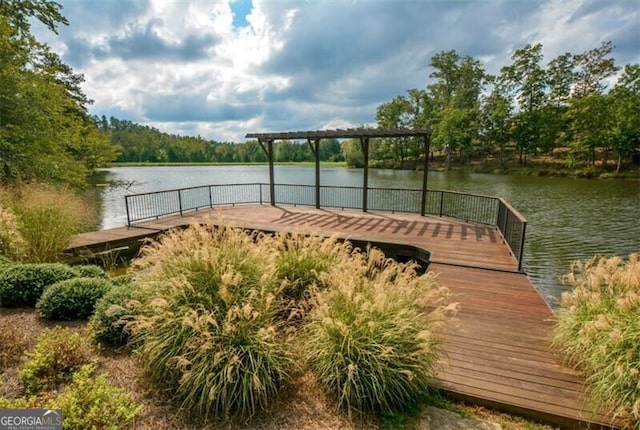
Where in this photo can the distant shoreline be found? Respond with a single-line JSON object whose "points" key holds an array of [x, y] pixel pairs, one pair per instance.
{"points": [[531, 169]]}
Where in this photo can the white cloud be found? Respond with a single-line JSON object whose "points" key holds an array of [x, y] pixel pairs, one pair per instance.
{"points": [[189, 67]]}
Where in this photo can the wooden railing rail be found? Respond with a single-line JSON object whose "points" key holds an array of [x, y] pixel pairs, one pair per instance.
{"points": [[464, 206]]}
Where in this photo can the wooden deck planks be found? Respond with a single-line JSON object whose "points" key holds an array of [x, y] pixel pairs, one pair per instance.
{"points": [[497, 347]]}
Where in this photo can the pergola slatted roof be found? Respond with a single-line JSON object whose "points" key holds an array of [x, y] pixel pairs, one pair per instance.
{"points": [[340, 133], [267, 140]]}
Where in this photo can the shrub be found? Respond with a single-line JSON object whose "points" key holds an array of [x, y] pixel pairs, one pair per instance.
{"points": [[91, 403], [372, 340], [23, 284], [121, 280], [72, 299], [598, 331], [113, 310], [90, 271], [48, 219], [87, 403], [58, 352], [207, 322], [13, 343], [5, 261]]}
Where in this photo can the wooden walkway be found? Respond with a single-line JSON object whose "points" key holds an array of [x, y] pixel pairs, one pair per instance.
{"points": [[496, 348]]}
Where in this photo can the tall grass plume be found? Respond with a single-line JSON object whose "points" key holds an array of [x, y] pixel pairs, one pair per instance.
{"points": [[207, 324], [374, 335], [45, 218], [598, 331]]}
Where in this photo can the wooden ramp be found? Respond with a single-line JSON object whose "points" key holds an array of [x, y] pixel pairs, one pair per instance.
{"points": [[497, 348]]}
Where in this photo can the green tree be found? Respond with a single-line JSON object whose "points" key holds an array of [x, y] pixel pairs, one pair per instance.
{"points": [[45, 131], [525, 79], [454, 100], [352, 153], [496, 121], [625, 110]]}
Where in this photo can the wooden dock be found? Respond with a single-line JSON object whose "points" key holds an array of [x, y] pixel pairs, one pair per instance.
{"points": [[497, 348]]}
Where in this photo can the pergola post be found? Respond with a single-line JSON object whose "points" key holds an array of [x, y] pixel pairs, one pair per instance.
{"points": [[315, 148], [269, 151], [364, 143], [425, 171]]}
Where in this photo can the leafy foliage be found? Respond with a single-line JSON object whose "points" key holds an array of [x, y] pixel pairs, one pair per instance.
{"points": [[91, 403], [23, 284], [72, 299], [58, 353], [598, 331], [113, 310], [90, 271], [45, 132], [530, 108], [373, 337]]}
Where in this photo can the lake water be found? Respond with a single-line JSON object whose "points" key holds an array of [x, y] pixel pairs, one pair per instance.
{"points": [[568, 219]]}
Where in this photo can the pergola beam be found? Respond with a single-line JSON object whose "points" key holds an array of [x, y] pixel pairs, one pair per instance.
{"points": [[362, 134]]}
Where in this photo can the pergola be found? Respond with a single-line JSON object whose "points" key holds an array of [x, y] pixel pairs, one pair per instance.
{"points": [[363, 134]]}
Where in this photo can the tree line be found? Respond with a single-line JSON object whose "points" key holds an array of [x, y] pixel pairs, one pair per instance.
{"points": [[527, 107], [139, 144]]}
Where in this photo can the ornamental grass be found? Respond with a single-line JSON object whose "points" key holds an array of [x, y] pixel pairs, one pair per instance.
{"points": [[373, 339], [212, 314], [37, 222], [207, 325], [598, 332], [300, 263]]}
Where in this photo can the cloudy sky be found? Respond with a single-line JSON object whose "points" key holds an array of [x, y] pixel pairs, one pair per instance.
{"points": [[222, 68]]}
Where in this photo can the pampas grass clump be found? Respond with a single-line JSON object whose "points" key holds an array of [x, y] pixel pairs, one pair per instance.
{"points": [[213, 311], [207, 324], [598, 331], [373, 339]]}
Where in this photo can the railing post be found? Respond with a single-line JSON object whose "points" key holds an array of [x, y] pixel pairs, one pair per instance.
{"points": [[364, 143], [126, 204], [180, 202], [260, 188], [521, 252], [425, 167], [210, 198], [441, 201]]}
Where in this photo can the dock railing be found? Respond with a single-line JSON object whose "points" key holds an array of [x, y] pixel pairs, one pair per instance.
{"points": [[468, 207]]}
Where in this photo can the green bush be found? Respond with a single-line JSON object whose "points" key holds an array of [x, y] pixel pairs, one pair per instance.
{"points": [[113, 310], [23, 284], [207, 325], [91, 403], [57, 354], [121, 280], [72, 299], [371, 341], [87, 403], [5, 261], [598, 332], [90, 271]]}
